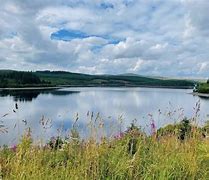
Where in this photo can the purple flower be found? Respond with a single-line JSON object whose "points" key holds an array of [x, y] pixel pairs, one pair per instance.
{"points": [[14, 148], [119, 136], [153, 127]]}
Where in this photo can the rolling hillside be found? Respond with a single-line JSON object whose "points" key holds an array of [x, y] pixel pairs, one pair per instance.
{"points": [[9, 78], [76, 79]]}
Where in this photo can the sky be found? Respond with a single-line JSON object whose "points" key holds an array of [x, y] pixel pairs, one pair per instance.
{"points": [[146, 37]]}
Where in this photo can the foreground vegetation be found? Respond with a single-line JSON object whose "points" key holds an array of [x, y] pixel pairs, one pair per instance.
{"points": [[10, 78], [178, 151]]}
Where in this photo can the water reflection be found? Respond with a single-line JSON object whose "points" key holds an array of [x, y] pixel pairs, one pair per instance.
{"points": [[29, 95], [126, 104]]}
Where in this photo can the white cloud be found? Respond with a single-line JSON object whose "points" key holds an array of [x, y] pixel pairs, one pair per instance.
{"points": [[198, 15], [137, 66], [203, 67], [153, 35]]}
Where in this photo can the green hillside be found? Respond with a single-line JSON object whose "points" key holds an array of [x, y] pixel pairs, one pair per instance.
{"points": [[9, 78], [76, 79]]}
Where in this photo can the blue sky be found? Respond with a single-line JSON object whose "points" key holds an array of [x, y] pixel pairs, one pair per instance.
{"points": [[147, 37]]}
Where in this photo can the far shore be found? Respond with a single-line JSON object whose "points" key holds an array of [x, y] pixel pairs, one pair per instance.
{"points": [[127, 86], [200, 94], [31, 88], [80, 86]]}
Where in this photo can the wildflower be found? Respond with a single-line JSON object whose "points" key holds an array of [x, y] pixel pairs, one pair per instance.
{"points": [[153, 127], [14, 148], [119, 136]]}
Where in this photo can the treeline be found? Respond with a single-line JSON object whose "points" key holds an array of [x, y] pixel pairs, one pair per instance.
{"points": [[18, 79], [203, 88]]}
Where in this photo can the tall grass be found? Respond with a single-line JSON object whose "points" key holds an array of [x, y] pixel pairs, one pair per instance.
{"points": [[179, 151]]}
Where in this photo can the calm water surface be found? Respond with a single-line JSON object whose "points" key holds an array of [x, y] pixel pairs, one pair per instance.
{"points": [[60, 108]]}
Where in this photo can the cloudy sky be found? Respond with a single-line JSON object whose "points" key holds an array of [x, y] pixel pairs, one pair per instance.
{"points": [[147, 37]]}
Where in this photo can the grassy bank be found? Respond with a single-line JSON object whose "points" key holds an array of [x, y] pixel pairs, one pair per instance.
{"points": [[203, 88], [178, 151]]}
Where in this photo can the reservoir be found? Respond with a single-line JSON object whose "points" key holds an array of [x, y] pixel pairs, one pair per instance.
{"points": [[53, 112]]}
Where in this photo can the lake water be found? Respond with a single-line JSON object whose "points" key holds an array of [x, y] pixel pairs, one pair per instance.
{"points": [[49, 113]]}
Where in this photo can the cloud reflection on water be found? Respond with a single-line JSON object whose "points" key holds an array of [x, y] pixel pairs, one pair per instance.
{"points": [[62, 106]]}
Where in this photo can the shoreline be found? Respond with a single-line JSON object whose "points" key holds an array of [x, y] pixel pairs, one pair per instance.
{"points": [[200, 94], [80, 86], [126, 86], [86, 86], [31, 88]]}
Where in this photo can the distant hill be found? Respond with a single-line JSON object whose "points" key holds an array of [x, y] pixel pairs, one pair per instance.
{"points": [[125, 80], [128, 74], [10, 78]]}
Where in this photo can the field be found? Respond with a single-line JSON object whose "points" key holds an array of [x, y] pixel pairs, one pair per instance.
{"points": [[179, 151]]}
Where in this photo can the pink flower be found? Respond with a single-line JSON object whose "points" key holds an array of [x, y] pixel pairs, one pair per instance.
{"points": [[14, 148]]}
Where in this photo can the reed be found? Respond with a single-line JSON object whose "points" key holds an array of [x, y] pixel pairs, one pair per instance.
{"points": [[130, 154], [176, 151]]}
